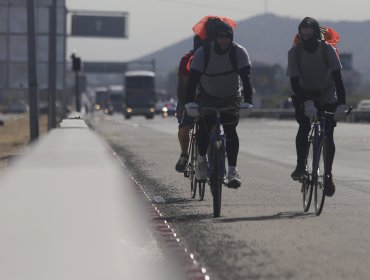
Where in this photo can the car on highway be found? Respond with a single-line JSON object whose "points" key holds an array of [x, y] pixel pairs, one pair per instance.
{"points": [[362, 113], [169, 109], [17, 107], [363, 105]]}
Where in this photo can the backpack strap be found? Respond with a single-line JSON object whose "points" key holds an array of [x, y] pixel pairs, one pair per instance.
{"points": [[232, 55], [207, 54], [298, 55], [324, 47]]}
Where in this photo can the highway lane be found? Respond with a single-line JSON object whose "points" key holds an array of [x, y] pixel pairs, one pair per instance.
{"points": [[262, 232]]}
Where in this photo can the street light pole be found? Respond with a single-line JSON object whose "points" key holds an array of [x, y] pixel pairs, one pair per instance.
{"points": [[52, 64], [32, 71]]}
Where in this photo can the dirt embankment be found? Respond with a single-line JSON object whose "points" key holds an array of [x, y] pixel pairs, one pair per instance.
{"points": [[15, 135]]}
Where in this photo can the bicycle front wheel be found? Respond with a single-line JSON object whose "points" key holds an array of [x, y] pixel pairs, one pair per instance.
{"points": [[307, 186], [202, 190], [319, 185], [216, 180]]}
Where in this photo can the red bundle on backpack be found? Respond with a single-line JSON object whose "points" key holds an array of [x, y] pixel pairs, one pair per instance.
{"points": [[201, 27], [328, 34]]}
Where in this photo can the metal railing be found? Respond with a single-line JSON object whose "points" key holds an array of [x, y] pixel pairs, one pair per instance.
{"points": [[355, 116]]}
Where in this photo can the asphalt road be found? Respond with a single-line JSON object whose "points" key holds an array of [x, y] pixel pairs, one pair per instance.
{"points": [[262, 232]]}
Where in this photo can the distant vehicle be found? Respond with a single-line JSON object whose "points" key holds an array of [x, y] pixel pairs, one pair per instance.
{"points": [[16, 107], [169, 109], [140, 95], [364, 111], [159, 106], [287, 103], [116, 98], [364, 105], [102, 100]]}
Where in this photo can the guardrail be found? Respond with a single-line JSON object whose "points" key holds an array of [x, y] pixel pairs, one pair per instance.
{"points": [[355, 116], [273, 113]]}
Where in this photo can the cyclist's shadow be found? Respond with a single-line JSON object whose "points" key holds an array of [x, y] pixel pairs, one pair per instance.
{"points": [[278, 216]]}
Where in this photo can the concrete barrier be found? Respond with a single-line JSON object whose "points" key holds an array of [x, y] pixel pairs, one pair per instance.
{"points": [[67, 211]]}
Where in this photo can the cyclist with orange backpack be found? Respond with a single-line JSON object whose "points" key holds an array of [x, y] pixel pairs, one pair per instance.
{"points": [[216, 69], [315, 75]]}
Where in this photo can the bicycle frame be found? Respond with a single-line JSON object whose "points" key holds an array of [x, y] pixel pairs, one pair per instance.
{"points": [[316, 141], [190, 168], [317, 134], [217, 157], [216, 135]]}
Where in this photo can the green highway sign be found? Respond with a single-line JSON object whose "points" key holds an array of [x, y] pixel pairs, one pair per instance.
{"points": [[110, 26]]}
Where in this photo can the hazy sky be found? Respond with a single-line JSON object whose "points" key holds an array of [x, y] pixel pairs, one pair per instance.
{"points": [[154, 24]]}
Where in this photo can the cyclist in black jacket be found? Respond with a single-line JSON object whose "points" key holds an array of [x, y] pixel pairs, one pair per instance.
{"points": [[315, 75]]}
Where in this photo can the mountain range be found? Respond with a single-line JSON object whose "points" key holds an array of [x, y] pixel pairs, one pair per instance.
{"points": [[268, 38]]}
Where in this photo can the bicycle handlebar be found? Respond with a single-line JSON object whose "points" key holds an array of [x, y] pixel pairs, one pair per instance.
{"points": [[228, 110], [332, 113], [349, 110], [327, 113]]}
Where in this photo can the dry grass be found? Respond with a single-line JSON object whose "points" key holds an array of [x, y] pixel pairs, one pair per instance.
{"points": [[15, 135]]}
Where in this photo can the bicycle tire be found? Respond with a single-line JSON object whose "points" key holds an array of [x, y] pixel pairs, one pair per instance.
{"points": [[307, 182], [216, 180], [202, 190], [319, 194], [193, 188], [191, 166]]}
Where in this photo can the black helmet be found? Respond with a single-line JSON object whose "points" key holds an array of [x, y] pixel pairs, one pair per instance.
{"points": [[309, 22], [223, 27]]}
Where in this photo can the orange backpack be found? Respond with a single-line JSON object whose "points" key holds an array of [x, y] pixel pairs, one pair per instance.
{"points": [[330, 36]]}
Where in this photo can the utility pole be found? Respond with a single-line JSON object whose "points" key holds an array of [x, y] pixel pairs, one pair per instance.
{"points": [[76, 67], [52, 64], [32, 71]]}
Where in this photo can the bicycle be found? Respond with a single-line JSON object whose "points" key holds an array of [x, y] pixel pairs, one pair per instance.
{"points": [[190, 168], [217, 147], [216, 155], [313, 178]]}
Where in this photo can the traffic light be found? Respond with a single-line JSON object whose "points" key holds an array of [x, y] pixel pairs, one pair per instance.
{"points": [[76, 62]]}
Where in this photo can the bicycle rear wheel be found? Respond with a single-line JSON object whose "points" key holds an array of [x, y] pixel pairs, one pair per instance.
{"points": [[216, 180], [319, 185], [193, 153], [307, 186]]}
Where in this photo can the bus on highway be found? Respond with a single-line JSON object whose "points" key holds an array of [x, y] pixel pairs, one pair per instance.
{"points": [[116, 96], [140, 96]]}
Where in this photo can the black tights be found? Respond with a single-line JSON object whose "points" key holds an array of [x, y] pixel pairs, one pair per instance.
{"points": [[232, 139]]}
